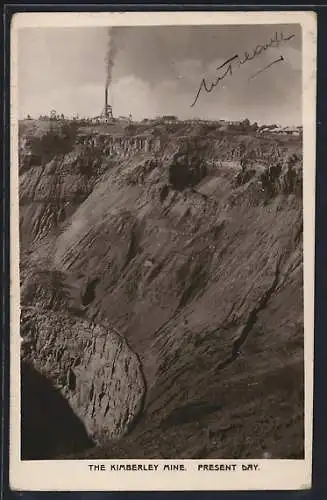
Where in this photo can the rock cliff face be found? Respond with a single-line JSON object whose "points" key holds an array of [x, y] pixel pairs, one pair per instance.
{"points": [[188, 244], [91, 366]]}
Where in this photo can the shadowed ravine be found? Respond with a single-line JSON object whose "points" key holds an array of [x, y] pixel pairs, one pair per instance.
{"points": [[50, 428]]}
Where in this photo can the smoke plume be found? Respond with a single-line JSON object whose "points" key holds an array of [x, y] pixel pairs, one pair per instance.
{"points": [[110, 56]]}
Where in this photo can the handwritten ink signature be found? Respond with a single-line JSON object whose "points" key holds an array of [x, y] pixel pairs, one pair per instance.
{"points": [[228, 67], [281, 58]]}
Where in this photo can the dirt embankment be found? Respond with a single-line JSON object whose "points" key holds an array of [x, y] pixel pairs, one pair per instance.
{"points": [[191, 250]]}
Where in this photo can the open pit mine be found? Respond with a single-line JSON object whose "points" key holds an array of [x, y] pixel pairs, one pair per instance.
{"points": [[161, 274]]}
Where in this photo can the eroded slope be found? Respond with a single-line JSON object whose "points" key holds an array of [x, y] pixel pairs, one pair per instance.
{"points": [[198, 265]]}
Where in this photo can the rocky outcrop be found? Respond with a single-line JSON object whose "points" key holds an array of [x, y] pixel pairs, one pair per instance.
{"points": [[41, 142], [91, 366], [121, 146]]}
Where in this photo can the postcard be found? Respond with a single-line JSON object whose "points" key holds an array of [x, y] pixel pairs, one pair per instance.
{"points": [[162, 250]]}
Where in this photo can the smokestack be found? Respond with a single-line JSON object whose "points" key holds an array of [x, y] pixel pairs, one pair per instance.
{"points": [[110, 57], [106, 101]]}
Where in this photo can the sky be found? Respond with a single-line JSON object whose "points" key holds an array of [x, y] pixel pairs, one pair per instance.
{"points": [[158, 70]]}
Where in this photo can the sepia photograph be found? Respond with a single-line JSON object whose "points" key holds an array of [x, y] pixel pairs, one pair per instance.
{"points": [[161, 187]]}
